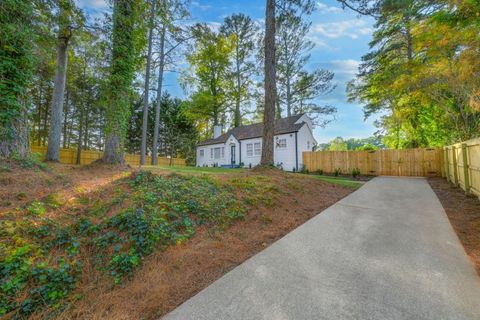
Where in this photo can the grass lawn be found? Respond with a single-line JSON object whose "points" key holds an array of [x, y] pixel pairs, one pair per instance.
{"points": [[192, 170], [341, 181]]}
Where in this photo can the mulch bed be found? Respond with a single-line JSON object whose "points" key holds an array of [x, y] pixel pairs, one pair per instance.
{"points": [[464, 214]]}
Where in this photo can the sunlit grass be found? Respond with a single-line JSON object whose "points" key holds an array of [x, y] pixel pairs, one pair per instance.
{"points": [[341, 181], [193, 170]]}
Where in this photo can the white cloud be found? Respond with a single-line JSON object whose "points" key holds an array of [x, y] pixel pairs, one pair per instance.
{"points": [[214, 25], [317, 41], [93, 4], [324, 8], [348, 28], [200, 6], [345, 68]]}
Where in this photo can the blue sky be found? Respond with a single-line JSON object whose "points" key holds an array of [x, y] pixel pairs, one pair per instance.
{"points": [[340, 37]]}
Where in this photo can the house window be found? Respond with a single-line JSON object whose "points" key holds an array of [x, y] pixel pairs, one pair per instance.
{"points": [[308, 145], [281, 143], [219, 153], [249, 149], [202, 153], [254, 149], [258, 148], [211, 153]]}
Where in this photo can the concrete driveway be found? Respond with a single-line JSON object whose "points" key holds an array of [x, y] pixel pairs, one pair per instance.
{"points": [[386, 251]]}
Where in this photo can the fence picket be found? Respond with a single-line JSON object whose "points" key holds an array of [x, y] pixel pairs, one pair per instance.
{"points": [[405, 162], [69, 156]]}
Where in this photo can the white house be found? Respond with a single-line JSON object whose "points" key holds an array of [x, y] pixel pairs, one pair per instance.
{"points": [[242, 146]]}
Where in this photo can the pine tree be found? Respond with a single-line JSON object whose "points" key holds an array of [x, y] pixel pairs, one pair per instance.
{"points": [[126, 40], [16, 62]]}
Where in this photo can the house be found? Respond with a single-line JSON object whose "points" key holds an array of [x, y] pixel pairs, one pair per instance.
{"points": [[242, 146]]}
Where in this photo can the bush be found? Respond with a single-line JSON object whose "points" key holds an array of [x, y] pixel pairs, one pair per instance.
{"points": [[337, 172], [355, 172], [319, 172], [36, 208]]}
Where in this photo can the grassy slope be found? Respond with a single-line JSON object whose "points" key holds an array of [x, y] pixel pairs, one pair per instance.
{"points": [[50, 243], [192, 170], [342, 181]]}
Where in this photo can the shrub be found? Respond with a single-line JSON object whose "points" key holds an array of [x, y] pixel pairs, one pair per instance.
{"points": [[36, 208], [304, 169], [319, 172], [355, 172], [337, 172]]}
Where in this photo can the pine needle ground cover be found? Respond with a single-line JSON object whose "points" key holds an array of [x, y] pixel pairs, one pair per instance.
{"points": [[59, 250]]}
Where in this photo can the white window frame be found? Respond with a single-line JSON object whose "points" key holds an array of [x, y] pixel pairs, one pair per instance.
{"points": [[249, 149], [282, 143], [218, 153], [257, 148]]}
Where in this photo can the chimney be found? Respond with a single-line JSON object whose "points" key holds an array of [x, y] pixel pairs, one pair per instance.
{"points": [[217, 131]]}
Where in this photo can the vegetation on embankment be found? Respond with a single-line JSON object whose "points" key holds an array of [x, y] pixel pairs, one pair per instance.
{"points": [[42, 258], [75, 229]]}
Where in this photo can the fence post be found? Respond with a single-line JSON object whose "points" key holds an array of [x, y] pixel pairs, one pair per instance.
{"points": [[465, 168], [446, 165], [455, 169]]}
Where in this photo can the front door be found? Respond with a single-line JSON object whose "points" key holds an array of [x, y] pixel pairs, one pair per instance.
{"points": [[232, 154]]}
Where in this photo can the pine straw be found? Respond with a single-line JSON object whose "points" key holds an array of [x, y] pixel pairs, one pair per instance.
{"points": [[464, 214], [168, 278]]}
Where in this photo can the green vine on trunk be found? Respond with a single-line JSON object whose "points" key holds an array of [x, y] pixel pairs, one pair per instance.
{"points": [[16, 62]]}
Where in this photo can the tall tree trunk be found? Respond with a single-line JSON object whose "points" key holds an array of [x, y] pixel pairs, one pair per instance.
{"points": [[53, 150], [270, 85], [85, 134], [289, 98], [65, 119], [237, 117], [14, 139], [15, 77], [45, 121], [122, 72], [39, 116], [143, 150], [80, 133], [156, 130]]}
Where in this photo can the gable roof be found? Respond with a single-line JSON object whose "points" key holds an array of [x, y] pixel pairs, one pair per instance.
{"points": [[283, 125]]}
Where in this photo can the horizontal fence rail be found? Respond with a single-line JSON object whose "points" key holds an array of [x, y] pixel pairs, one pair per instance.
{"points": [[462, 165], [404, 162], [69, 156]]}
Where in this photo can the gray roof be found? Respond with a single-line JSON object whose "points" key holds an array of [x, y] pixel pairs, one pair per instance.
{"points": [[283, 125]]}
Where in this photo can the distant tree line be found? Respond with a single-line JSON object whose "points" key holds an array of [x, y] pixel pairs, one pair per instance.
{"points": [[70, 81], [341, 144]]}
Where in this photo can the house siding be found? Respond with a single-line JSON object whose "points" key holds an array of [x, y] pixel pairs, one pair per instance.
{"points": [[253, 160], [306, 141], [207, 160], [289, 158]]}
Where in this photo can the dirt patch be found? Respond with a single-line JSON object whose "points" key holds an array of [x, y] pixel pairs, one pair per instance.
{"points": [[464, 214], [168, 278]]}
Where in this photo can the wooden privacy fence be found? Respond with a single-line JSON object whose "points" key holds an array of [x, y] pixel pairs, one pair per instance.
{"points": [[69, 156], [462, 165], [404, 162]]}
